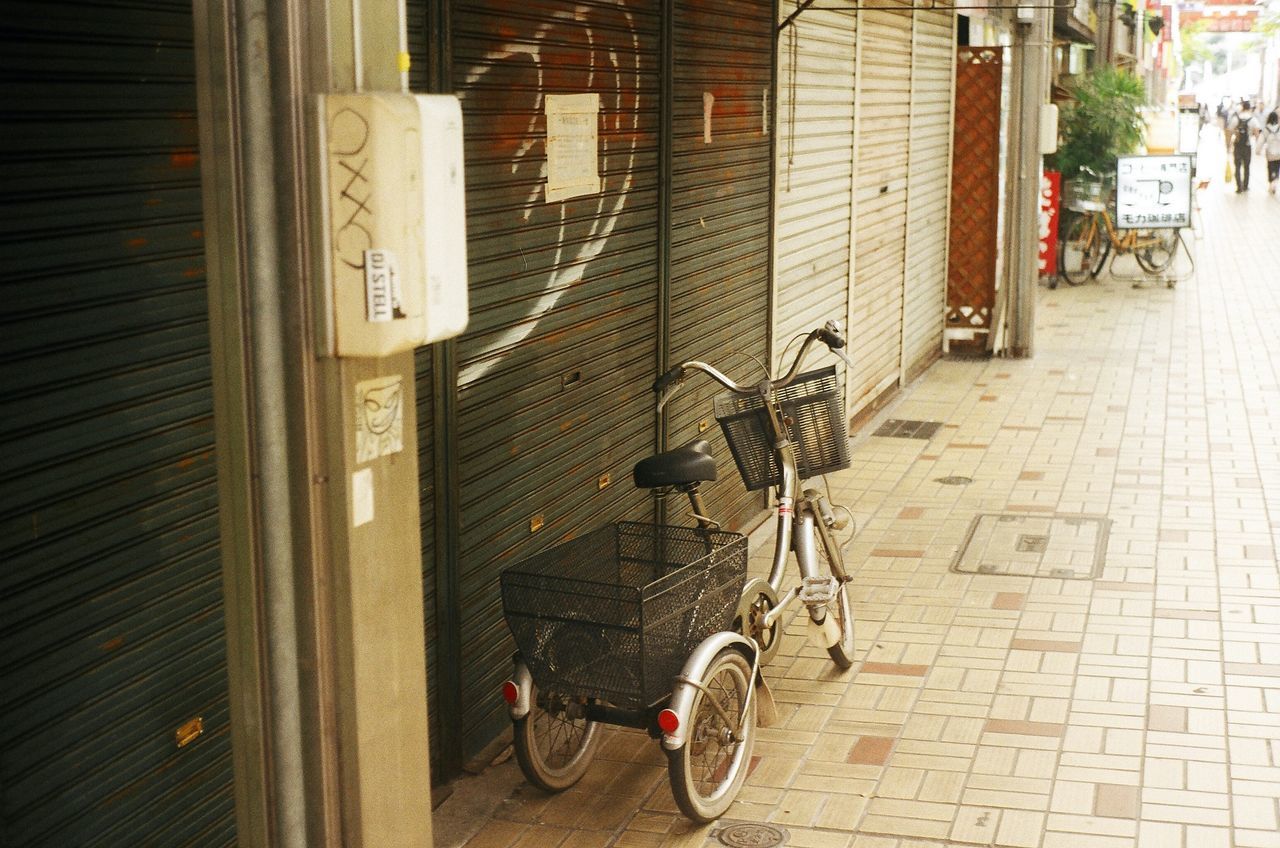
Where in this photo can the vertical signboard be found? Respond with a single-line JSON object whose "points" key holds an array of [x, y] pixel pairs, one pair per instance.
{"points": [[1050, 202]]}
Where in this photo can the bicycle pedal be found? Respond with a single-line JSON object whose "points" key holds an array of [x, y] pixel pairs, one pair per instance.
{"points": [[817, 591]]}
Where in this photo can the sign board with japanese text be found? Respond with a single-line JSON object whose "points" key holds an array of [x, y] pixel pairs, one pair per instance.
{"points": [[1153, 192]]}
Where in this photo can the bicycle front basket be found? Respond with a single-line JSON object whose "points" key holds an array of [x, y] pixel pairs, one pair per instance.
{"points": [[814, 412]]}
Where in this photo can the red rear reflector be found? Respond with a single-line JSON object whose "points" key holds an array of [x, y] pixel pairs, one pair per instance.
{"points": [[510, 692], [668, 721]]}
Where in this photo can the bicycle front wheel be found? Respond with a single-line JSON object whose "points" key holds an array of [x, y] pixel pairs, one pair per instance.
{"points": [[842, 652], [1156, 255], [1082, 252], [708, 769], [553, 747]]}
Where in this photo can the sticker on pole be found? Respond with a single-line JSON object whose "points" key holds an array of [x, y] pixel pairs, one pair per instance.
{"points": [[383, 300], [1153, 192], [379, 418]]}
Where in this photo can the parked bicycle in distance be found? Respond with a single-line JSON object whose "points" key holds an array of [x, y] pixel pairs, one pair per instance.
{"points": [[1090, 236], [657, 627]]}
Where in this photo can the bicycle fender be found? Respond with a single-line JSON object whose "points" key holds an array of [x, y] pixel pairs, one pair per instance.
{"points": [[524, 691], [695, 668]]}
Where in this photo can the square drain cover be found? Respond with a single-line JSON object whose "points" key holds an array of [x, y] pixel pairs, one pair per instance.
{"points": [[1069, 547], [900, 429]]}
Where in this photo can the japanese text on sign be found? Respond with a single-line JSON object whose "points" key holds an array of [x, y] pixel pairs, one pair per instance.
{"points": [[1153, 192], [572, 161]]}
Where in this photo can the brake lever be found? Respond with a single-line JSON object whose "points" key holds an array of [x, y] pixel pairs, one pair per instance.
{"points": [[840, 353]]}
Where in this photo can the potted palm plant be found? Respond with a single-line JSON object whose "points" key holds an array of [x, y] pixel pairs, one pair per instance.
{"points": [[1103, 120]]}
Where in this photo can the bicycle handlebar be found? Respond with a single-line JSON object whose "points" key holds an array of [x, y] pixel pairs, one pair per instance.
{"points": [[829, 334]]}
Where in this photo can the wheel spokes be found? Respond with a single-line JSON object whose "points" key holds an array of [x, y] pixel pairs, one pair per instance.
{"points": [[714, 747], [562, 736]]}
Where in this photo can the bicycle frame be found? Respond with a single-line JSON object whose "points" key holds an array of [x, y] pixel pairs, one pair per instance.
{"points": [[798, 521], [1127, 243], [1121, 241]]}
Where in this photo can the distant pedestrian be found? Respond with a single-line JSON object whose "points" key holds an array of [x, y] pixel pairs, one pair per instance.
{"points": [[1223, 113], [1269, 141], [1242, 127]]}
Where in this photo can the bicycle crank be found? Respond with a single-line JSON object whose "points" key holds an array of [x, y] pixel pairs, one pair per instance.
{"points": [[757, 599]]}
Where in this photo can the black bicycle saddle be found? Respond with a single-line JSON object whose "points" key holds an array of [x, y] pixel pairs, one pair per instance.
{"points": [[691, 463]]}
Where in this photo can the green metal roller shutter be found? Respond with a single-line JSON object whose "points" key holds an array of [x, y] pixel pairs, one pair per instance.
{"points": [[111, 594], [720, 217], [554, 369]]}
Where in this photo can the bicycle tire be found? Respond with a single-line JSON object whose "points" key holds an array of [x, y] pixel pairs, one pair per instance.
{"points": [[552, 749], [841, 652], [1080, 253], [707, 771], [1154, 258], [1102, 257]]}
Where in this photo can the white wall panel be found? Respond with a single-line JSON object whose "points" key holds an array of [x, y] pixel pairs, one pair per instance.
{"points": [[814, 171], [928, 181]]}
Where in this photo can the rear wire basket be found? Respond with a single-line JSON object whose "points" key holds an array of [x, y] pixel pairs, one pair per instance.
{"points": [[614, 614], [814, 412]]}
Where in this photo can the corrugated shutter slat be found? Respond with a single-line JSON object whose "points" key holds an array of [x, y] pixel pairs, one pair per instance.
{"points": [[111, 595], [816, 65], [928, 184], [555, 365]]}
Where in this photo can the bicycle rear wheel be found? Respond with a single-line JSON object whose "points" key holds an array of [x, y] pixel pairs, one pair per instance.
{"points": [[708, 769], [553, 747], [1158, 255], [1083, 250]]}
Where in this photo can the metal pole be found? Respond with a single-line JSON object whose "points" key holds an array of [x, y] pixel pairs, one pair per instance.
{"points": [[275, 512], [1031, 44]]}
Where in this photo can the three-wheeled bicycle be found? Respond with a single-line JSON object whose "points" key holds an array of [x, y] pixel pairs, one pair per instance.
{"points": [[657, 627]]}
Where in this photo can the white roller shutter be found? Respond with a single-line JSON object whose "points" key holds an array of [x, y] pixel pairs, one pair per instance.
{"points": [[816, 63], [928, 181], [881, 136]]}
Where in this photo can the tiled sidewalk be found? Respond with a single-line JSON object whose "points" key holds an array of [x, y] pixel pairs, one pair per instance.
{"points": [[1137, 707]]}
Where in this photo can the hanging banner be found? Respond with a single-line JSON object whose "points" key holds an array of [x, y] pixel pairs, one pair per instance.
{"points": [[1050, 202]]}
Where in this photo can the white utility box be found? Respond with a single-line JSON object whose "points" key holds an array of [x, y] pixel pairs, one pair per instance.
{"points": [[394, 240]]}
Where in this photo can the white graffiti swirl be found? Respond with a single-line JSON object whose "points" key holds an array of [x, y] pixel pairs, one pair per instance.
{"points": [[621, 113]]}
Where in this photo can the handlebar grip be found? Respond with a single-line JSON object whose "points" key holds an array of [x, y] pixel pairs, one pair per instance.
{"points": [[667, 380], [831, 338]]}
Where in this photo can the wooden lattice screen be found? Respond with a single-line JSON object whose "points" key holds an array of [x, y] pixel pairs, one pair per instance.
{"points": [[975, 198]]}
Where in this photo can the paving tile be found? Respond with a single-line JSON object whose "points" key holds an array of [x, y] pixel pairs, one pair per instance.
{"points": [[871, 750]]}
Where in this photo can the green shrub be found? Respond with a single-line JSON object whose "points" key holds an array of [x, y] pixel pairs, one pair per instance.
{"points": [[1103, 121]]}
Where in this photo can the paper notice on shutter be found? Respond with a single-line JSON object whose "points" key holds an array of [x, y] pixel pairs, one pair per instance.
{"points": [[573, 161]]}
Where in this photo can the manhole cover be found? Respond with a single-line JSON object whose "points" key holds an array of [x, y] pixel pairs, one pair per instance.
{"points": [[751, 835], [1068, 547], [954, 481], [896, 428]]}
